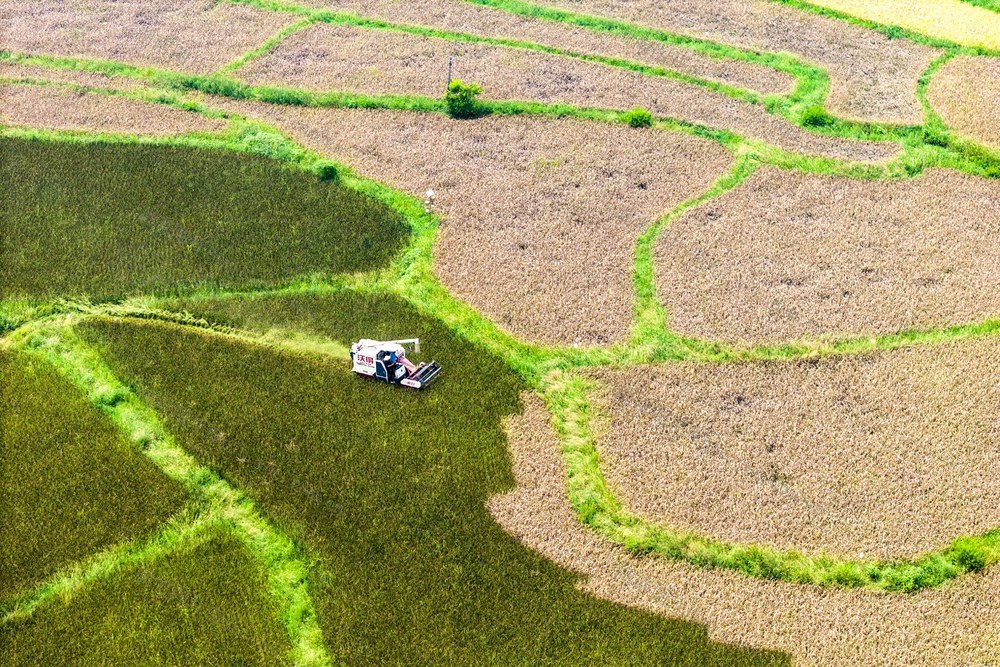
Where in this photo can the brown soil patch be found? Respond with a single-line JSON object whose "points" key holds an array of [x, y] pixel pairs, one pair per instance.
{"points": [[196, 36], [954, 626], [57, 108], [540, 216], [889, 455], [788, 255], [461, 16], [872, 77], [966, 94], [329, 57]]}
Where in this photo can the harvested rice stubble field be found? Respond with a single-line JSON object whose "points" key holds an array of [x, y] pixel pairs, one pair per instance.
{"points": [[484, 21], [325, 57], [878, 456], [953, 625], [196, 36], [57, 108], [785, 256], [872, 76], [538, 215]]}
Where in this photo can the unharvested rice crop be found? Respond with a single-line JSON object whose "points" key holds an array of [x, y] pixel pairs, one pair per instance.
{"points": [[329, 57], [954, 626], [965, 92], [58, 108], [872, 77], [196, 36], [465, 17], [106, 220], [944, 19], [204, 606], [539, 216], [70, 485], [880, 456], [387, 488], [788, 255]]}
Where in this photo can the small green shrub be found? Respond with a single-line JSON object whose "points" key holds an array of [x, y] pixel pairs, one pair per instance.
{"points": [[968, 555], [638, 117], [327, 171], [460, 99], [816, 116]]}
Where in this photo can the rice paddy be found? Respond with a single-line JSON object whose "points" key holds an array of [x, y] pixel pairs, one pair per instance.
{"points": [[713, 288], [71, 484], [203, 223]]}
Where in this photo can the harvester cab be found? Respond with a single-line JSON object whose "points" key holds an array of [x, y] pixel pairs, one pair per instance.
{"points": [[386, 361]]}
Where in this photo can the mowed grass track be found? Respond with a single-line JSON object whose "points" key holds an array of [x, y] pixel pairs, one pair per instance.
{"points": [[206, 606], [106, 220], [69, 483], [388, 487]]}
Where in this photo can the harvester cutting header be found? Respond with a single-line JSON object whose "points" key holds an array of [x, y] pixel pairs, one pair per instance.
{"points": [[386, 361]]}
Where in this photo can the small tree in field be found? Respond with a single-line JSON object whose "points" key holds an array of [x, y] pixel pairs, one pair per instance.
{"points": [[460, 99]]}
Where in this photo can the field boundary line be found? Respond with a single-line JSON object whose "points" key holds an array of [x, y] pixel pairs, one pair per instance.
{"points": [[744, 95], [411, 277], [187, 529], [270, 44], [578, 421], [804, 107], [279, 557], [917, 153], [650, 327]]}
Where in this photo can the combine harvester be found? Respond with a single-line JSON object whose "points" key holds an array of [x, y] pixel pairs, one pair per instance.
{"points": [[386, 361]]}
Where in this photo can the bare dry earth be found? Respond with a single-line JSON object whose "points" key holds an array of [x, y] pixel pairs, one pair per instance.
{"points": [[196, 36], [965, 92], [540, 216], [787, 255], [461, 16], [882, 456], [872, 77], [954, 626], [57, 108], [329, 57]]}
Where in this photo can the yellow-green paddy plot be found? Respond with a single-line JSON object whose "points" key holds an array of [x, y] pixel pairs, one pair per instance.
{"points": [[388, 487], [959, 22], [204, 606], [70, 485], [105, 220]]}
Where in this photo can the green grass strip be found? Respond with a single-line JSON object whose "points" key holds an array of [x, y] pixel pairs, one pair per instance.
{"points": [[575, 416], [650, 316], [269, 45], [348, 19], [890, 31], [190, 528], [411, 277], [992, 5], [286, 570], [918, 153]]}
